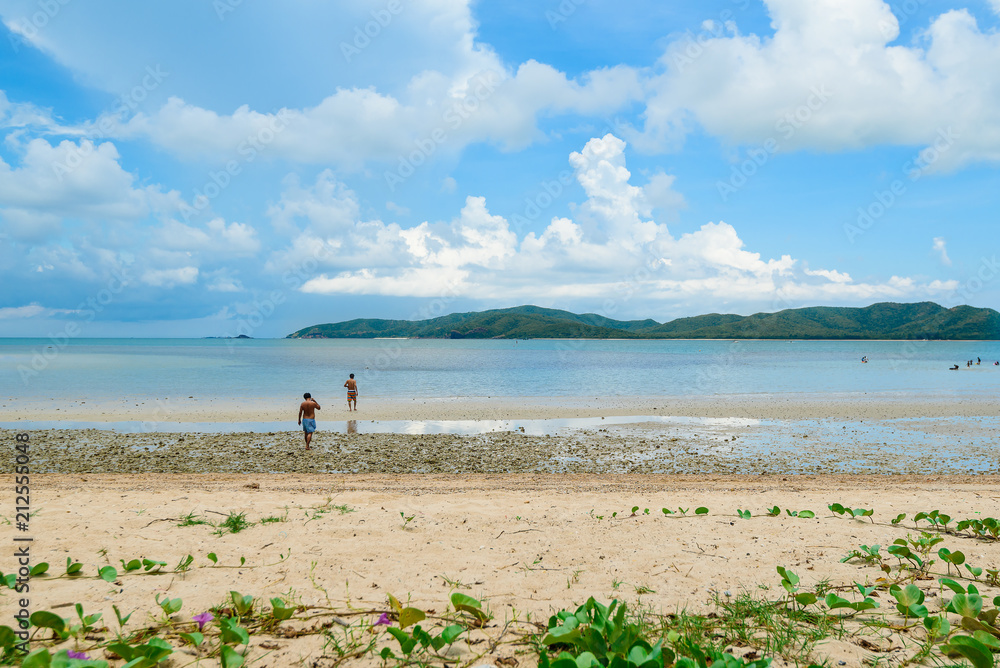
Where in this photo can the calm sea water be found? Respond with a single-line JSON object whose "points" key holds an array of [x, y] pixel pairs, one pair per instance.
{"points": [[264, 368]]}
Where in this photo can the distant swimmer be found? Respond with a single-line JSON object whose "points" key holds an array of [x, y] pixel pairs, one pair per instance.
{"points": [[307, 417], [864, 360], [978, 361], [352, 392], [954, 368]]}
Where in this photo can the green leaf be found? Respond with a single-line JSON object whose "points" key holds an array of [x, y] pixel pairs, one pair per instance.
{"points": [[48, 620], [279, 611], [409, 616], [130, 566], [122, 621], [149, 564], [230, 658], [73, 568], [7, 637], [156, 649], [987, 639], [973, 650], [463, 603], [833, 602], [40, 658], [108, 573], [124, 650], [952, 585], [140, 662], [232, 633], [451, 633], [193, 638], [39, 569], [701, 510], [211, 557], [899, 518], [805, 598], [807, 514], [966, 605]]}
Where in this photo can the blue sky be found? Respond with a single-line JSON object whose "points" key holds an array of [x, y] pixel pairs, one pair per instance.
{"points": [[222, 168]]}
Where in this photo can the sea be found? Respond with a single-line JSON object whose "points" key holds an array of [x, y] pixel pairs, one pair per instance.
{"points": [[97, 369]]}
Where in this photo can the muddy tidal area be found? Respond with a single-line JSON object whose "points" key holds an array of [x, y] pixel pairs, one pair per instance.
{"points": [[597, 451]]}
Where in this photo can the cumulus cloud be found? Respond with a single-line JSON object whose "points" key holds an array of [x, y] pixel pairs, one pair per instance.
{"points": [[613, 250], [69, 180], [831, 79], [168, 278]]}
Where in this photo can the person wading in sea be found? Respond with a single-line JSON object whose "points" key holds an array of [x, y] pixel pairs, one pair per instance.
{"points": [[352, 392], [307, 417]]}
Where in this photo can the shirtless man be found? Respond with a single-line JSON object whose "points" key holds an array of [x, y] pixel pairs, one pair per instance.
{"points": [[352, 392], [307, 416]]}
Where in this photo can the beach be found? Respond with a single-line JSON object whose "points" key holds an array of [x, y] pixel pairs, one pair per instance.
{"points": [[525, 546], [528, 524]]}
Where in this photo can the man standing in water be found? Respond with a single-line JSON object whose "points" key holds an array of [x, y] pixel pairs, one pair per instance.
{"points": [[352, 392], [307, 417]]}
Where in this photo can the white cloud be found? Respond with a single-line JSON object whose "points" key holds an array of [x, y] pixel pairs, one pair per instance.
{"points": [[32, 310], [216, 240], [613, 251], [995, 4], [168, 278], [70, 180], [941, 247], [828, 79]]}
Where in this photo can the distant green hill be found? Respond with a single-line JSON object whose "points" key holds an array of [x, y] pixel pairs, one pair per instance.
{"points": [[924, 320]]}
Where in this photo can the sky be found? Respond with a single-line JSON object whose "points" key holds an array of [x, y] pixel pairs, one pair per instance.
{"points": [[219, 167]]}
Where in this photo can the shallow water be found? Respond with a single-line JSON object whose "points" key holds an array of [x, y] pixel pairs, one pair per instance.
{"points": [[101, 369]]}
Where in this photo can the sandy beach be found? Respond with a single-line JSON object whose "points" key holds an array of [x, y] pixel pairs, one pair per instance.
{"points": [[526, 524], [524, 545]]}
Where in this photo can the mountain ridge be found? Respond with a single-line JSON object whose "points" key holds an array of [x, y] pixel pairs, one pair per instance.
{"points": [[883, 320]]}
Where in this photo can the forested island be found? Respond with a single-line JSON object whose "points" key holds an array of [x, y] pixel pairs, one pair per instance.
{"points": [[887, 320]]}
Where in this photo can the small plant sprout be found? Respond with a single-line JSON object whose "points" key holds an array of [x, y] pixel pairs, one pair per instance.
{"points": [[701, 510], [406, 520], [743, 514], [169, 605], [635, 509]]}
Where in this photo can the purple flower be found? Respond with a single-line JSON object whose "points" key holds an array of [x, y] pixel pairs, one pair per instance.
{"points": [[202, 619], [384, 620], [76, 655]]}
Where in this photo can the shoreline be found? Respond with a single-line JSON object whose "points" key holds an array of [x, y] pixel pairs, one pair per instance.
{"points": [[791, 406]]}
